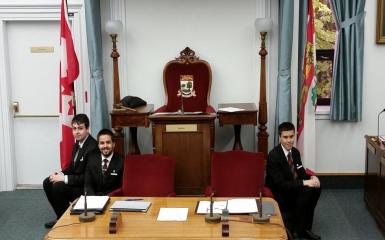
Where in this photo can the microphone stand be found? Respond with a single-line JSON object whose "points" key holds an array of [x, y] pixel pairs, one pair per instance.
{"points": [[378, 126], [261, 217], [212, 217], [181, 100], [86, 216]]}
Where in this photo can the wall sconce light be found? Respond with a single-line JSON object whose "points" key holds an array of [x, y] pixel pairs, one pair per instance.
{"points": [[113, 28], [263, 26]]}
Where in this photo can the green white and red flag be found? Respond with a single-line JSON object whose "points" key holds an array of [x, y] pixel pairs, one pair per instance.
{"points": [[306, 112]]}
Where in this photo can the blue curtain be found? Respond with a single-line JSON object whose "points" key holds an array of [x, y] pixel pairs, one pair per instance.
{"points": [[346, 102], [99, 112], [285, 41], [302, 29]]}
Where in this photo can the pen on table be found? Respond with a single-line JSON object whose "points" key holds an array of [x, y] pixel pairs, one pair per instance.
{"points": [[134, 199]]}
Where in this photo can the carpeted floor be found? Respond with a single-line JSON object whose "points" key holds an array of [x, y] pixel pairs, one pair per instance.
{"points": [[340, 214]]}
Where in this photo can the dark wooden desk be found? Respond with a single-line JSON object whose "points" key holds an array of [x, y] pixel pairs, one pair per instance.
{"points": [[374, 194], [247, 116], [138, 225], [133, 120]]}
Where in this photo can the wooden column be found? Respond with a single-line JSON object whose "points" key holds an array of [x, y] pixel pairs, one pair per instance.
{"points": [[262, 106], [115, 55]]}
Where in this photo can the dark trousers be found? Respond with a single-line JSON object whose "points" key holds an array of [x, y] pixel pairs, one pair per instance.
{"points": [[60, 195], [298, 214]]}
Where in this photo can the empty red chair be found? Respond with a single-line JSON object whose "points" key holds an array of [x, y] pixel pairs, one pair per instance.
{"points": [[237, 174], [147, 175]]}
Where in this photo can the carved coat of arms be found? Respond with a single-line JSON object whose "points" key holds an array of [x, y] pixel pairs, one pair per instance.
{"points": [[186, 86]]}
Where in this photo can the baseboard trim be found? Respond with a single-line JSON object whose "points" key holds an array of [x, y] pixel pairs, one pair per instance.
{"points": [[340, 174], [29, 186], [342, 181]]}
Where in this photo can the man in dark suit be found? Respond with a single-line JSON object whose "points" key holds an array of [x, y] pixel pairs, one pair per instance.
{"points": [[104, 168], [296, 192], [63, 187]]}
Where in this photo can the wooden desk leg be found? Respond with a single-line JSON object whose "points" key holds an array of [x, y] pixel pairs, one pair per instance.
{"points": [[119, 140], [133, 142], [237, 139]]}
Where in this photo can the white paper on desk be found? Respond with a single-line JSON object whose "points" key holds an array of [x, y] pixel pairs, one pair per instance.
{"points": [[242, 205], [93, 202], [230, 109], [172, 214], [204, 207]]}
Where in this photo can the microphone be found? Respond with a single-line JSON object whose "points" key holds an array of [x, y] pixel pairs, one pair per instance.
{"points": [[181, 100], [212, 217], [86, 216], [378, 126], [260, 217]]}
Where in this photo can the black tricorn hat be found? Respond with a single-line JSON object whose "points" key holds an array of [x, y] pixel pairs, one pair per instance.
{"points": [[132, 102]]}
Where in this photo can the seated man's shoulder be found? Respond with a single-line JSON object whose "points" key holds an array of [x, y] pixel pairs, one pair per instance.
{"points": [[295, 151], [92, 143], [93, 155], [274, 152]]}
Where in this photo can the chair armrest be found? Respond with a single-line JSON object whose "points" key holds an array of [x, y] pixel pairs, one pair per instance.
{"points": [[161, 109], [173, 194], [266, 192], [309, 172], [116, 193], [210, 109], [208, 191]]}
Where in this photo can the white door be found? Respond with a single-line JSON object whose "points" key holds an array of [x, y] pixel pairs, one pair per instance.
{"points": [[33, 53]]}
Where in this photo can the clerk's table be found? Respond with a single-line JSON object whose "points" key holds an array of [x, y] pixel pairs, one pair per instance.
{"points": [[138, 117], [137, 225], [247, 115]]}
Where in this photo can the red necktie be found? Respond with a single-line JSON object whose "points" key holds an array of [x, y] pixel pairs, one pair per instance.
{"points": [[105, 166], [291, 165]]}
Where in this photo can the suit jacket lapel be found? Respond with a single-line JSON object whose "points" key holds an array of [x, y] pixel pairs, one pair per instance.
{"points": [[284, 161], [82, 151]]}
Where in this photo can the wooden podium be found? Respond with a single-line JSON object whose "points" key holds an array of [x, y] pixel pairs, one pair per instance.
{"points": [[190, 140], [374, 194]]}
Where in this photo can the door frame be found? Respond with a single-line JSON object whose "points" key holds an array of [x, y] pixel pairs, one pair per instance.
{"points": [[25, 10]]}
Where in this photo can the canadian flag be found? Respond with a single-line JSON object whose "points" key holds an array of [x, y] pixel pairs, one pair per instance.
{"points": [[69, 71]]}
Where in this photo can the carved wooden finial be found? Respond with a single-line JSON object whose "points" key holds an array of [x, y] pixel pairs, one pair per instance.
{"points": [[187, 56]]}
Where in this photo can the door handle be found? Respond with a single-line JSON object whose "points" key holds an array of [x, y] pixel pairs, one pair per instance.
{"points": [[15, 106], [16, 109]]}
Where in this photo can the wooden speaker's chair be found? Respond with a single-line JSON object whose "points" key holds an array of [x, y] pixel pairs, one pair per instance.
{"points": [[237, 174], [187, 84], [147, 175]]}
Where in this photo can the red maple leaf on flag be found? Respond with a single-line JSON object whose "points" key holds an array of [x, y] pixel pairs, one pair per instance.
{"points": [[69, 71]]}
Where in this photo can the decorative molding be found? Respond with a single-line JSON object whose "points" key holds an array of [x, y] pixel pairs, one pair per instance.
{"points": [[17, 10], [187, 56], [7, 154]]}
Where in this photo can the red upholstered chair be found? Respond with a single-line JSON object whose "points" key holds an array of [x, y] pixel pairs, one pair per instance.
{"points": [[237, 174], [189, 77], [147, 175]]}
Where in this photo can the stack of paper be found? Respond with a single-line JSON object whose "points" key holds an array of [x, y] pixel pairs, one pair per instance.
{"points": [[130, 206], [94, 204], [231, 109]]}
